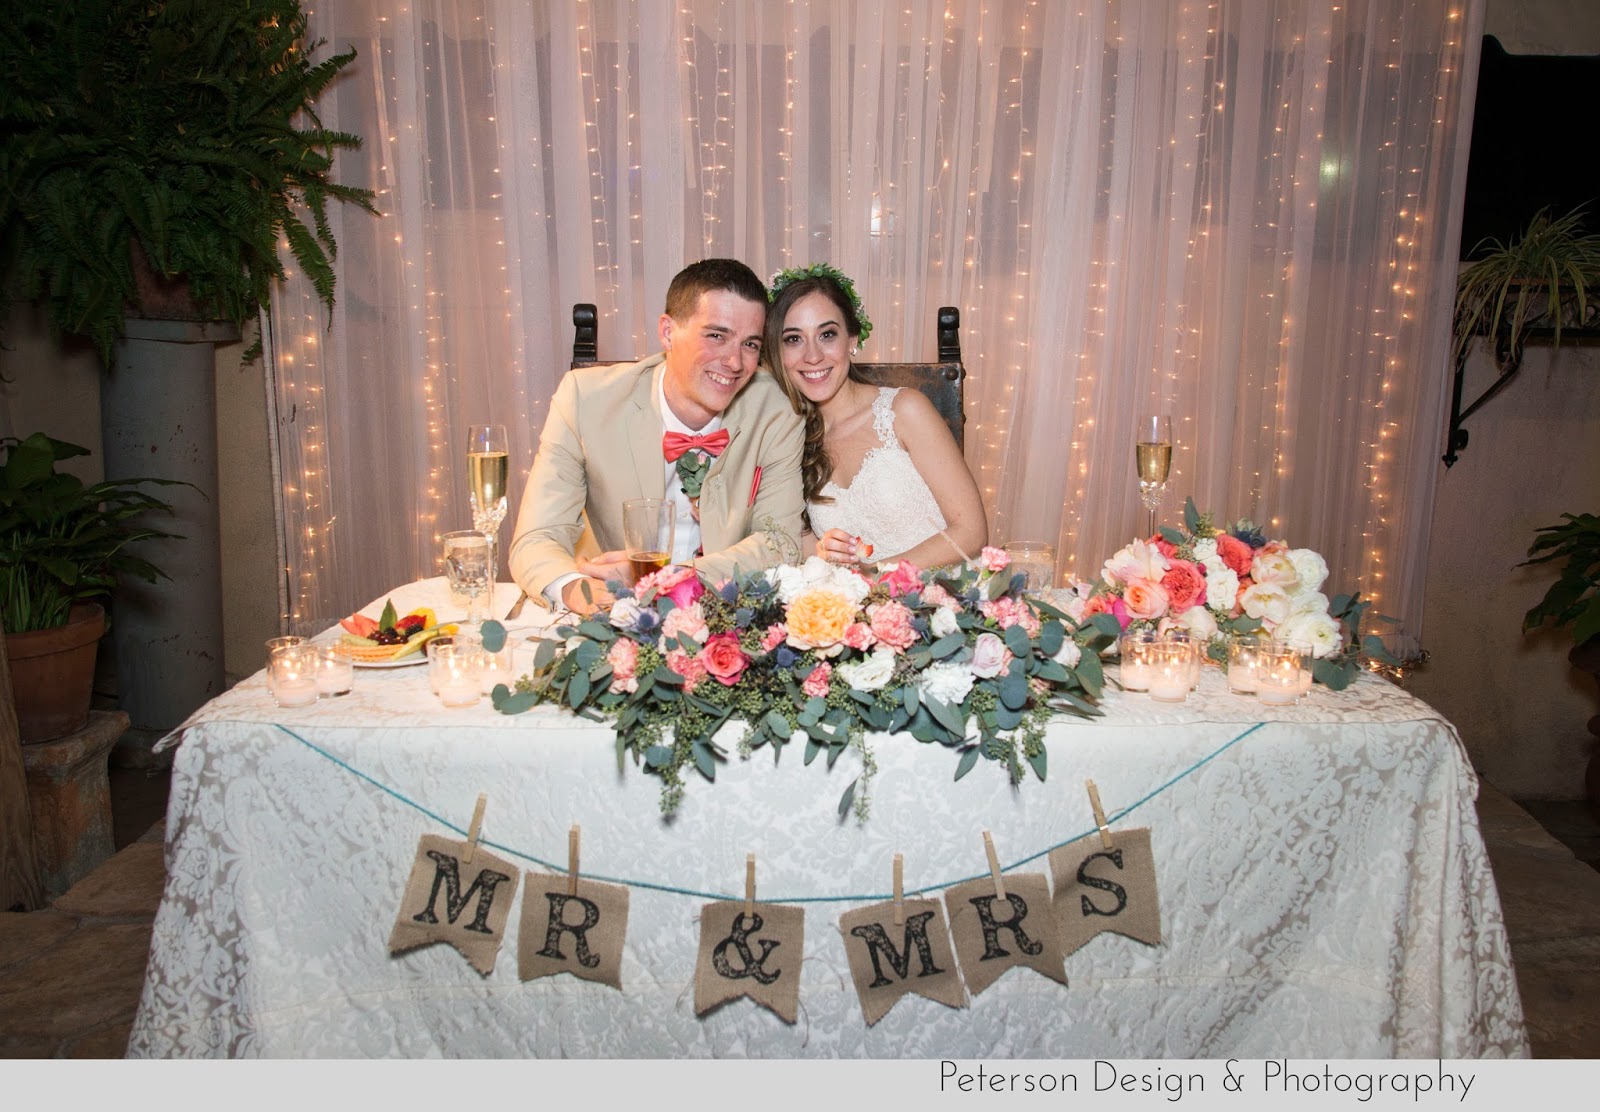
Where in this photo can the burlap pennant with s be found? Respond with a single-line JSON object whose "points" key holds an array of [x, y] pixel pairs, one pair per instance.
{"points": [[1099, 889], [889, 961], [581, 934], [993, 935], [465, 904], [756, 955]]}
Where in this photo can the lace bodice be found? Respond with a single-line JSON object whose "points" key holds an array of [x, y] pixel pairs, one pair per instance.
{"points": [[887, 504]]}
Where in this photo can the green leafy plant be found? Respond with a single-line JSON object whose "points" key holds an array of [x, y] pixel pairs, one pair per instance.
{"points": [[1574, 598], [168, 126], [62, 541], [1543, 278]]}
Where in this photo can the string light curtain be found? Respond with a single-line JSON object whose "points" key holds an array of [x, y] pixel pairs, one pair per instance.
{"points": [[1242, 214]]}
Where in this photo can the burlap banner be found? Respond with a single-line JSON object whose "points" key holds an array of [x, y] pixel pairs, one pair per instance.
{"points": [[436, 907]]}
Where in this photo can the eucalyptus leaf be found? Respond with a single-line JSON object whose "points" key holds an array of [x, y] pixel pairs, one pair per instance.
{"points": [[494, 635], [518, 702], [947, 716], [813, 747], [1052, 635], [848, 798], [946, 645], [704, 762], [1039, 761], [1191, 515], [1016, 639], [969, 757], [1107, 624], [658, 756]]}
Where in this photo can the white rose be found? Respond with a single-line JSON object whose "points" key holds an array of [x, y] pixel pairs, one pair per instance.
{"points": [[1205, 551], [1138, 561], [869, 673], [1275, 568], [1321, 631], [1311, 568], [949, 683], [1308, 602], [624, 613], [988, 656], [1222, 585], [1267, 602], [1068, 654], [1199, 621], [943, 623]]}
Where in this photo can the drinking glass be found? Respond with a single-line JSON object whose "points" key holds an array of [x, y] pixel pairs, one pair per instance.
{"points": [[1152, 449], [488, 469], [647, 534], [1037, 562], [466, 566]]}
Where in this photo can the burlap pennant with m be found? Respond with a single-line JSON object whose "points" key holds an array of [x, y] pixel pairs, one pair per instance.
{"points": [[755, 955], [889, 960], [1106, 889], [449, 899], [993, 935], [580, 932]]}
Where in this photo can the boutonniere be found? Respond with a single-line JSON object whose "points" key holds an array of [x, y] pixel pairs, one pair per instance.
{"points": [[692, 468]]}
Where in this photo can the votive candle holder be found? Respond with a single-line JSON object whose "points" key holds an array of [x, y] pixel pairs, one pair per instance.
{"points": [[453, 672], [292, 676], [1170, 664], [1278, 676], [335, 671], [1244, 661], [1133, 651]]}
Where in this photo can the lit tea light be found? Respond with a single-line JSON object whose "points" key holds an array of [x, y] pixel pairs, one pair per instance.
{"points": [[1133, 652], [291, 676], [1278, 677], [1244, 661], [1170, 671], [335, 673], [453, 672]]}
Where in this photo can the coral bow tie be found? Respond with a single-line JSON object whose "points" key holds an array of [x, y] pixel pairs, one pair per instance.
{"points": [[674, 444]]}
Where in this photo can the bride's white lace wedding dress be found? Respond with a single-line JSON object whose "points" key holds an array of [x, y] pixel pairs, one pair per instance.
{"points": [[887, 504]]}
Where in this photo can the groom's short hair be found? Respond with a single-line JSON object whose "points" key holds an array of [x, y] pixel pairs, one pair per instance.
{"points": [[683, 296]]}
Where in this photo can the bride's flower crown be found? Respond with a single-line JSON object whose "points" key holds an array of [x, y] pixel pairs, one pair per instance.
{"points": [[782, 278]]}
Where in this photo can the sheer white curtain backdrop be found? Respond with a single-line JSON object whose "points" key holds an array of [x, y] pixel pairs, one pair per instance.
{"points": [[1243, 214]]}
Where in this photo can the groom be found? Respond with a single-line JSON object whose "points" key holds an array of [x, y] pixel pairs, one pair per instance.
{"points": [[611, 430]]}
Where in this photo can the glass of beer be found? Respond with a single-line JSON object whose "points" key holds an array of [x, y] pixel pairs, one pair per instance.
{"points": [[647, 528]]}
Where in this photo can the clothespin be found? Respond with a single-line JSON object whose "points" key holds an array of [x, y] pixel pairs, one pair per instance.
{"points": [[899, 889], [474, 827], [749, 884], [1099, 816], [994, 865], [572, 860]]}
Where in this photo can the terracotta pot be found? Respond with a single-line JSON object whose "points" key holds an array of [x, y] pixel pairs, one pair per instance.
{"points": [[52, 673]]}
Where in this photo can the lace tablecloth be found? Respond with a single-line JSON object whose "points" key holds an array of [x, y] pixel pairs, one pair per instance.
{"points": [[1324, 888]]}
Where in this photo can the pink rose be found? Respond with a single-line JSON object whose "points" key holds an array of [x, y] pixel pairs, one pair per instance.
{"points": [[1164, 546], [1185, 584], [990, 656], [816, 684], [1145, 600], [774, 637], [1119, 611], [681, 584], [689, 620], [724, 660], [904, 576], [624, 658], [859, 636], [687, 666], [1235, 553], [891, 625], [994, 559]]}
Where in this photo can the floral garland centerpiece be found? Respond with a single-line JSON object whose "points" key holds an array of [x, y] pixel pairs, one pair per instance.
{"points": [[1224, 583], [954, 656]]}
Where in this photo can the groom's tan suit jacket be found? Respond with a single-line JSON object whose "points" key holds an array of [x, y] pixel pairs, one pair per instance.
{"points": [[602, 443]]}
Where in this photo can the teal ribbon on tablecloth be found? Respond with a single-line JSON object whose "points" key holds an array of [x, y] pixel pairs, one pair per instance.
{"points": [[871, 897]]}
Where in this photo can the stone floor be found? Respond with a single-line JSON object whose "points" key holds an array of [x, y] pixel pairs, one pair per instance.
{"points": [[70, 975]]}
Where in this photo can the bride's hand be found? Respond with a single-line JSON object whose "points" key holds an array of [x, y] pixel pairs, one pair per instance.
{"points": [[838, 547]]}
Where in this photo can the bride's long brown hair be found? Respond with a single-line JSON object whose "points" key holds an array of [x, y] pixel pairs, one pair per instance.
{"points": [[816, 468]]}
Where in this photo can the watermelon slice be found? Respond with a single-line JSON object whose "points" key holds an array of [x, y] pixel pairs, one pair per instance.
{"points": [[360, 625]]}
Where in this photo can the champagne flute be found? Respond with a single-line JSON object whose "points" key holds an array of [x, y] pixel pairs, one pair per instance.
{"points": [[488, 468], [1153, 454]]}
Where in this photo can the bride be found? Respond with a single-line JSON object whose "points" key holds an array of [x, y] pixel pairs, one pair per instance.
{"points": [[883, 477]]}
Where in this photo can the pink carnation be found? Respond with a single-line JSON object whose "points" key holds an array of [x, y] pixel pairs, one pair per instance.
{"points": [[624, 658], [1185, 585], [904, 576], [1235, 553], [935, 595], [816, 684], [1008, 611], [994, 559], [687, 666], [774, 637], [689, 620], [891, 625], [859, 636]]}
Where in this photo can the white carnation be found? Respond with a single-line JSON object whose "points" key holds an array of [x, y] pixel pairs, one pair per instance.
{"points": [[1310, 567], [1321, 631], [943, 623], [949, 683], [870, 673]]}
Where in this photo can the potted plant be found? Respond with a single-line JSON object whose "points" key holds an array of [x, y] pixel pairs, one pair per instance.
{"points": [[62, 546], [1573, 600], [1545, 279]]}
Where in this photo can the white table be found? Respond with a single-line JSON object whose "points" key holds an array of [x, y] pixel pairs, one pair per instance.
{"points": [[1324, 887]]}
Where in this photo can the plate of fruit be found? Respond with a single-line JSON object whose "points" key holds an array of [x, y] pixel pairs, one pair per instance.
{"points": [[389, 641]]}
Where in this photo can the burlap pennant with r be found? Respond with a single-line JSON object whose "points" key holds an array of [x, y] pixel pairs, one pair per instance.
{"points": [[756, 955], [888, 961], [992, 935], [580, 934], [1099, 889], [465, 904]]}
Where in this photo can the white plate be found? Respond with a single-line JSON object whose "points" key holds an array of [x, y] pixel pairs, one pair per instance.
{"points": [[419, 657]]}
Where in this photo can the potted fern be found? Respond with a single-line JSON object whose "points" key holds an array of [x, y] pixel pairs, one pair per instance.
{"points": [[1573, 600], [63, 545]]}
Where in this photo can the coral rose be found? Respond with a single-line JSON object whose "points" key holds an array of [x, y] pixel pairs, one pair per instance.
{"points": [[1185, 584], [891, 625], [1145, 600], [724, 660], [1235, 553], [817, 619], [816, 684], [1164, 546]]}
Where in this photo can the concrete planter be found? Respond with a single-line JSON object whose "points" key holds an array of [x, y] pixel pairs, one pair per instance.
{"points": [[52, 674]]}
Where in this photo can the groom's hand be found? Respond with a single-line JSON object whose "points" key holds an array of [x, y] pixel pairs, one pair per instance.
{"points": [[585, 596], [608, 566]]}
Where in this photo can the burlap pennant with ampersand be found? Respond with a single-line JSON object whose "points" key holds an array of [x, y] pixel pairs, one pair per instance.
{"points": [[579, 933], [448, 899], [890, 960], [992, 935], [755, 955], [1099, 889]]}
